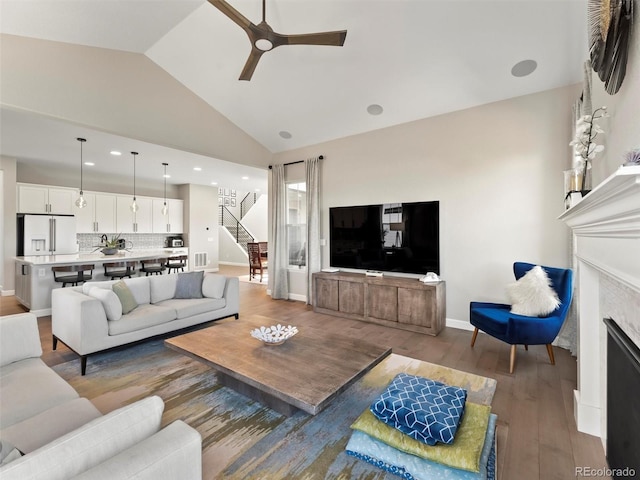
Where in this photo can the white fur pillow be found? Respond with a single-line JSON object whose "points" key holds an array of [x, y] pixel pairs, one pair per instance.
{"points": [[532, 295]]}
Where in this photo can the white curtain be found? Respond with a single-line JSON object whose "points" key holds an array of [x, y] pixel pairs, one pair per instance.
{"points": [[312, 169], [278, 254]]}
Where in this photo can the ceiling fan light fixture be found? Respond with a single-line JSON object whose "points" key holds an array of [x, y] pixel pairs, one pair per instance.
{"points": [[263, 44], [81, 202]]}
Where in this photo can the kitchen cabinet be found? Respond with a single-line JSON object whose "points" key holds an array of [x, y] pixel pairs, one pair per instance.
{"points": [[130, 222], [99, 215], [23, 284], [173, 221], [44, 199]]}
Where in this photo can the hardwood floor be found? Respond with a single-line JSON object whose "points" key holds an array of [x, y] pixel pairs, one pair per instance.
{"points": [[537, 436]]}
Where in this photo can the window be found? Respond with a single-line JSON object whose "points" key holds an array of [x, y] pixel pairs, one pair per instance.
{"points": [[297, 224]]}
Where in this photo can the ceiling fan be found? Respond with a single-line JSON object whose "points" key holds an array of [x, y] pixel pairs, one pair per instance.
{"points": [[264, 39]]}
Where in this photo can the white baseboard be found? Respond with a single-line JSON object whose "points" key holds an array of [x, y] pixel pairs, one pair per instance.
{"points": [[41, 313], [235, 264], [460, 324], [7, 293], [298, 297]]}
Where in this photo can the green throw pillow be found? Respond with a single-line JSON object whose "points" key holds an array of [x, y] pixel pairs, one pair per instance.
{"points": [[125, 296], [464, 453]]}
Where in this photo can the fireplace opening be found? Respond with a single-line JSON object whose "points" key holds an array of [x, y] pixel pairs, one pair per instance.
{"points": [[623, 400]]}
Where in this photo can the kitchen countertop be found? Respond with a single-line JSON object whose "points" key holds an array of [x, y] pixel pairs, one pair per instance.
{"points": [[93, 257]]}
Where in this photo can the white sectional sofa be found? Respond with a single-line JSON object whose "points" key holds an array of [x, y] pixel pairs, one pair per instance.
{"points": [[50, 433], [86, 319]]}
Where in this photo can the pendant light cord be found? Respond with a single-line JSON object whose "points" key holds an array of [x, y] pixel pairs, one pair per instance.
{"points": [[134, 174], [165, 183], [81, 140]]}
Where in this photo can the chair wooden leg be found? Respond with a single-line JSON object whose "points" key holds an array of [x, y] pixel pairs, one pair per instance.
{"points": [[550, 351], [512, 360], [83, 364], [473, 339]]}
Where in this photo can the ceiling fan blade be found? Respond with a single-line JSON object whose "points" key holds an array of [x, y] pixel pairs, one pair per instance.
{"points": [[335, 39], [252, 63], [232, 13]]}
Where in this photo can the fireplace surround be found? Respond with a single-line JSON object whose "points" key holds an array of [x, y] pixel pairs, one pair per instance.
{"points": [[606, 251]]}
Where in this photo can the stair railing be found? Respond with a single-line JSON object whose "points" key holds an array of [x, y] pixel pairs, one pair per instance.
{"points": [[247, 202], [233, 225]]}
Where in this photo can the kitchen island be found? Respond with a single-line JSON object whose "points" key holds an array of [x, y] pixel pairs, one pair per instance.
{"points": [[34, 277]]}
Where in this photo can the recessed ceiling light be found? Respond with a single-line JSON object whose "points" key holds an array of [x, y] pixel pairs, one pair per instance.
{"points": [[115, 152], [245, 178], [257, 190], [375, 109], [166, 175], [524, 68], [214, 183], [197, 169], [89, 164]]}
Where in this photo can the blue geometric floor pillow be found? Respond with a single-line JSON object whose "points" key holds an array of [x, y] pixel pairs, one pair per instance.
{"points": [[424, 409]]}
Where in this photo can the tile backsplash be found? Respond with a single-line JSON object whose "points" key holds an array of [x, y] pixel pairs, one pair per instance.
{"points": [[141, 241]]}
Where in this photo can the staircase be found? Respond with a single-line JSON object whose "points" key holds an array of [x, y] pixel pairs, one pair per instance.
{"points": [[235, 228], [247, 202]]}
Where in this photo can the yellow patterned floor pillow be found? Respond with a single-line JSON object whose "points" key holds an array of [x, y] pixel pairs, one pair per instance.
{"points": [[464, 453]]}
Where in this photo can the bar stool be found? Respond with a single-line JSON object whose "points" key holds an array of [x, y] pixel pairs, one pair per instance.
{"points": [[153, 266], [120, 269], [72, 274], [177, 262]]}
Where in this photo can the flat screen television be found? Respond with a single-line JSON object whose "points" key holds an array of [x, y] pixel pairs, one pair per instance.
{"points": [[390, 237]]}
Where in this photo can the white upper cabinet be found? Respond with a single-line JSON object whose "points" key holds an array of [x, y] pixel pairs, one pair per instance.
{"points": [[129, 222], [44, 199], [173, 221], [99, 216]]}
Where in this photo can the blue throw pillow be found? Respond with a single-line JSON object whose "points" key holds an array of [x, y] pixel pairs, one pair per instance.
{"points": [[424, 409]]}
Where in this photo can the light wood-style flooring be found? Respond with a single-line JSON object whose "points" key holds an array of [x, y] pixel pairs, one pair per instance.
{"points": [[537, 436]]}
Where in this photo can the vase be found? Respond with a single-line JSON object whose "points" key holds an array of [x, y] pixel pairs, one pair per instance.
{"points": [[109, 251]]}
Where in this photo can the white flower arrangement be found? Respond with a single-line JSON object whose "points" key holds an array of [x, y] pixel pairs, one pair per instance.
{"points": [[584, 144], [274, 334]]}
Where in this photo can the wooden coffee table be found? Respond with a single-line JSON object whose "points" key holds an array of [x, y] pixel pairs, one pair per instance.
{"points": [[306, 372]]}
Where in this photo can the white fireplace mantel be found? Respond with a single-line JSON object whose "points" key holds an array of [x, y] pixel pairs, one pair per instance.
{"points": [[606, 244]]}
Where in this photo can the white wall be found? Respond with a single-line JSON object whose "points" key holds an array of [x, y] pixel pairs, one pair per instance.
{"points": [[255, 221], [622, 128], [8, 244], [118, 92], [230, 252], [201, 222], [496, 170]]}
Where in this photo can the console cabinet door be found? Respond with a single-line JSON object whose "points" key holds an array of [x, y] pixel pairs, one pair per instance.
{"points": [[326, 293], [351, 297], [383, 302]]}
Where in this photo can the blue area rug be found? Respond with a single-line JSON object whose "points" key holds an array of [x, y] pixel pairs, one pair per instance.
{"points": [[242, 439]]}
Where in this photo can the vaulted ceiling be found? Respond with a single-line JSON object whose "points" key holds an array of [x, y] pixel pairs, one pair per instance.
{"points": [[413, 58]]}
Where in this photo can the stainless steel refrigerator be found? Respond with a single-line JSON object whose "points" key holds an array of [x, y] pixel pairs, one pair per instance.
{"points": [[46, 234]]}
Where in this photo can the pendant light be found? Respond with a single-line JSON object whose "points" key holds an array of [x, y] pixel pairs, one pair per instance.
{"points": [[81, 202], [165, 209], [134, 205]]}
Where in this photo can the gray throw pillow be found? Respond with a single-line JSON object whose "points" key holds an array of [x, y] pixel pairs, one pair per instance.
{"points": [[189, 285], [125, 296]]}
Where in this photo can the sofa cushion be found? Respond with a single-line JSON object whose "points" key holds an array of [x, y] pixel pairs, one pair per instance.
{"points": [[19, 382], [19, 338], [144, 316], [90, 444], [127, 300], [188, 307], [34, 432], [162, 287], [139, 286], [189, 285], [86, 286], [110, 301], [213, 285], [8, 452]]}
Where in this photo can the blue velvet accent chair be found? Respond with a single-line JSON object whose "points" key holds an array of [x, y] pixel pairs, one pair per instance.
{"points": [[496, 319]]}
